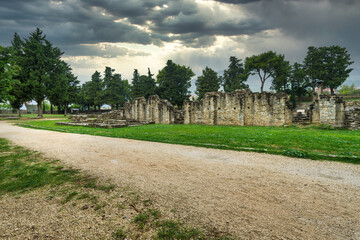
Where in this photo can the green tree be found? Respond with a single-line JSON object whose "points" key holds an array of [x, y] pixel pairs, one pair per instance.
{"points": [[148, 84], [136, 88], [299, 80], [347, 89], [144, 85], [264, 65], [281, 77], [235, 76], [174, 82], [313, 66], [63, 88], [38, 65], [20, 91], [84, 98], [208, 82], [95, 90], [5, 73], [329, 64], [117, 91]]}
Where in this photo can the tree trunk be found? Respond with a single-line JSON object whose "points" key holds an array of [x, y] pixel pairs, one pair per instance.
{"points": [[332, 91], [51, 109], [262, 87], [65, 109], [43, 107], [40, 114], [19, 112]]}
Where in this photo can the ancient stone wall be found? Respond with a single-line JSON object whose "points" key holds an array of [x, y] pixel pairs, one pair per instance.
{"points": [[152, 110], [241, 107], [352, 118], [330, 110], [354, 103]]}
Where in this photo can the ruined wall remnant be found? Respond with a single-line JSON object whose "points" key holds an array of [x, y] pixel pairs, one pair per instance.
{"points": [[352, 118], [330, 110], [152, 110], [241, 107]]}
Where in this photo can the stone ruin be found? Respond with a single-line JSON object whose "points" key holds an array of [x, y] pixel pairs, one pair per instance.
{"points": [[138, 112], [242, 108], [329, 110]]}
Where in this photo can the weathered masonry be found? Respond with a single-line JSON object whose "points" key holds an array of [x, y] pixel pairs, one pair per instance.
{"points": [[152, 110], [241, 107]]}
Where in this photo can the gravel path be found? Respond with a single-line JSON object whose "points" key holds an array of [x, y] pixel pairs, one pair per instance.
{"points": [[251, 194]]}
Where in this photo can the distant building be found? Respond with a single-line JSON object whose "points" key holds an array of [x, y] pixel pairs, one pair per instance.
{"points": [[31, 108]]}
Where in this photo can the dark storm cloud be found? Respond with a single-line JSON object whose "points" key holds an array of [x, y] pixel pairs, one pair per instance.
{"points": [[237, 1], [69, 23], [105, 51]]}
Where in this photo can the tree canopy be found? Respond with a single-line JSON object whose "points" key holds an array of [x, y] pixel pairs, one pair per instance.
{"points": [[329, 64], [265, 65], [235, 76], [209, 81], [174, 83]]}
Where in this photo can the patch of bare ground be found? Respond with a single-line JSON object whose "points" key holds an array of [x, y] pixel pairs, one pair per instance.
{"points": [[41, 215], [256, 196]]}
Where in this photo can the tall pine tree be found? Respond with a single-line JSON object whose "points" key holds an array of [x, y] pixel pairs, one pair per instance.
{"points": [[235, 76]]}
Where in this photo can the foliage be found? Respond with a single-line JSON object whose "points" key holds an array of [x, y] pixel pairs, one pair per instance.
{"points": [[93, 90], [6, 72], [265, 65], [174, 83], [136, 89], [116, 90], [247, 138], [299, 80], [347, 89], [281, 76], [329, 64], [144, 85], [235, 76], [208, 82], [64, 87]]}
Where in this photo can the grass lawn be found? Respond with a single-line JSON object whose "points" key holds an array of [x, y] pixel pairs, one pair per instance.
{"points": [[70, 191], [35, 115], [304, 142]]}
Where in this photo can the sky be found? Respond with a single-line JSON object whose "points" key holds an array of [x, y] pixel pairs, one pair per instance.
{"points": [[142, 34]]}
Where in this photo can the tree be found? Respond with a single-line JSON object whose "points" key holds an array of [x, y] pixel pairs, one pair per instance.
{"points": [[208, 82], [136, 88], [95, 90], [329, 64], [299, 80], [281, 81], [148, 84], [264, 65], [117, 91], [174, 83], [84, 98], [38, 65], [5, 73], [347, 89], [235, 76], [63, 88], [19, 91]]}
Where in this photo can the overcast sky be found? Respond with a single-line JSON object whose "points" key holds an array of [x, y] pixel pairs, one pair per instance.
{"points": [[128, 34]]}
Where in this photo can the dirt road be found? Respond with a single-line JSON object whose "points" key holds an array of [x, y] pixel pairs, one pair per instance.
{"points": [[257, 196]]}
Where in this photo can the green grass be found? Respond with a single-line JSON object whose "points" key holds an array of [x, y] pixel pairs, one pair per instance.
{"points": [[314, 142], [34, 116]]}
